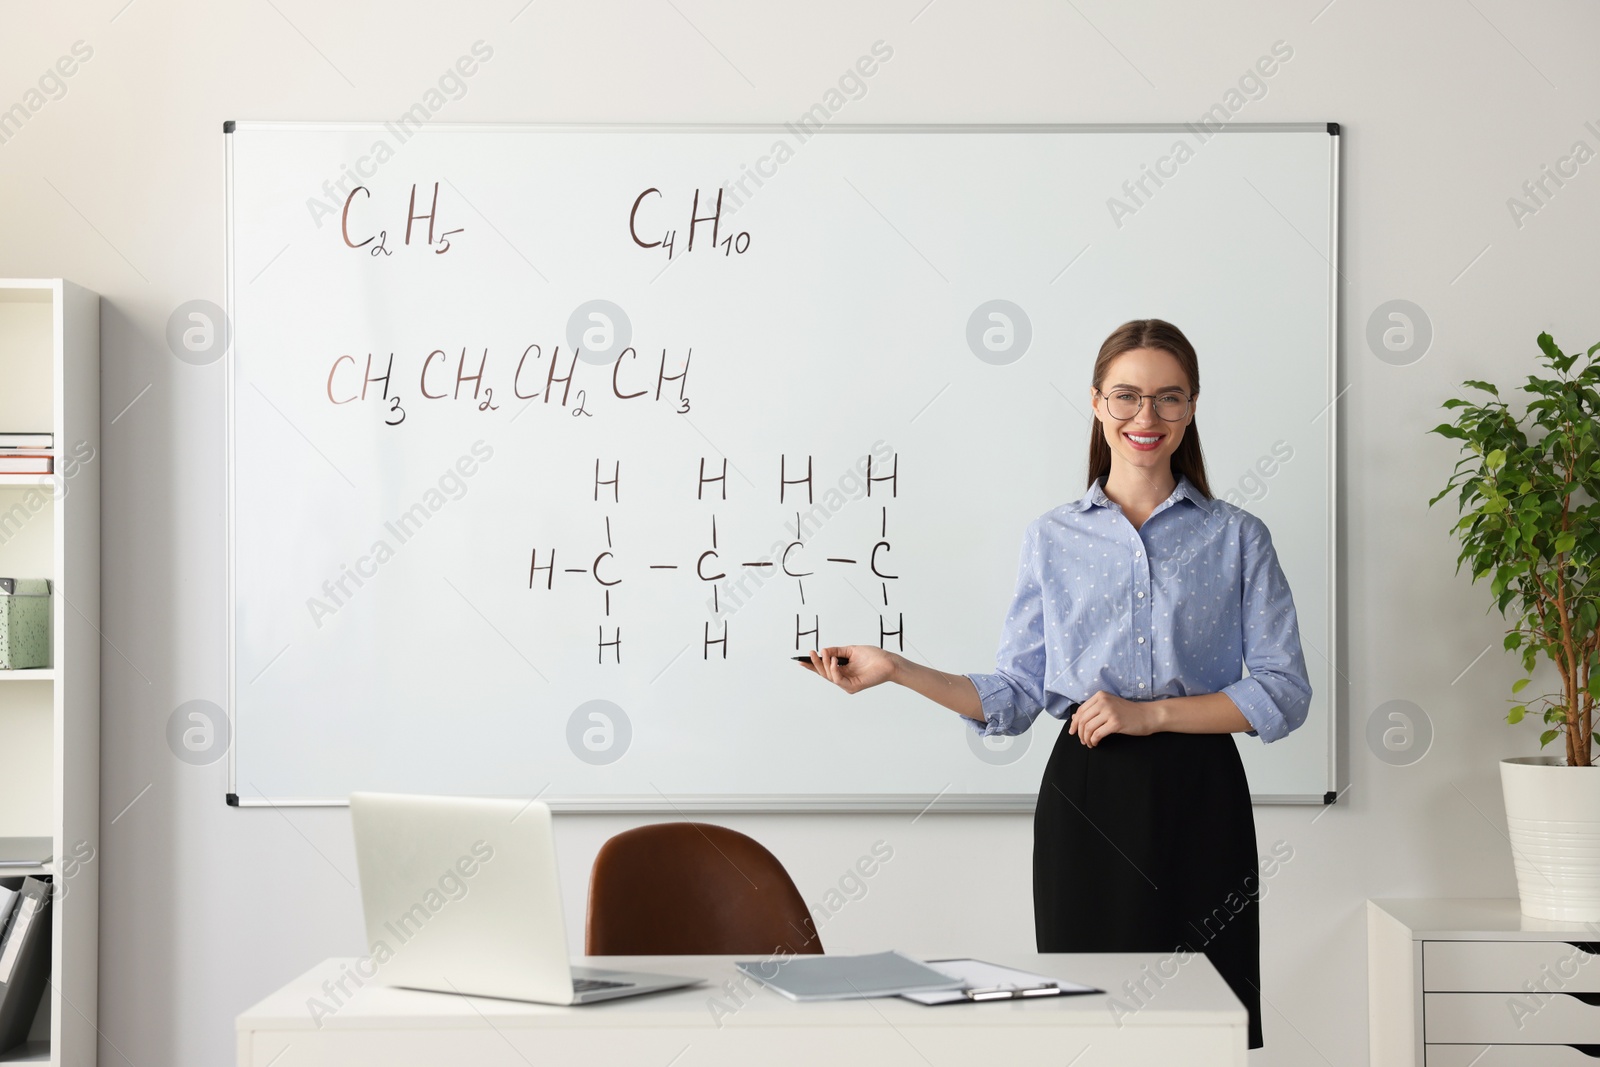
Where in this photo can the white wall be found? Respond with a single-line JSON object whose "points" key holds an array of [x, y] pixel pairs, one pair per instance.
{"points": [[1447, 110]]}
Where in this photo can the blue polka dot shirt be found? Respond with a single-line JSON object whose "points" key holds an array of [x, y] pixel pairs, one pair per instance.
{"points": [[1179, 607]]}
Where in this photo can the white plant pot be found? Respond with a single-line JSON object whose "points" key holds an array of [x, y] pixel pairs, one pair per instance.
{"points": [[1553, 815]]}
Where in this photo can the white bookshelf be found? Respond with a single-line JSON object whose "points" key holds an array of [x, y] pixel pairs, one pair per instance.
{"points": [[50, 717]]}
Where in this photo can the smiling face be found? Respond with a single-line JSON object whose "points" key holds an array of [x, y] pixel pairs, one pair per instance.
{"points": [[1146, 440]]}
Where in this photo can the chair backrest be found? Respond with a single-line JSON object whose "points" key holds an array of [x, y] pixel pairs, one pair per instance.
{"points": [[689, 888]]}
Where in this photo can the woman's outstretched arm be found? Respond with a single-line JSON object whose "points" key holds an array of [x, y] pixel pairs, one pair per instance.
{"points": [[870, 666]]}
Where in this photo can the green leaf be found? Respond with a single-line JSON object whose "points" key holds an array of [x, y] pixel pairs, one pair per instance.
{"points": [[1548, 736], [1514, 716], [1521, 683], [1565, 542], [1485, 386]]}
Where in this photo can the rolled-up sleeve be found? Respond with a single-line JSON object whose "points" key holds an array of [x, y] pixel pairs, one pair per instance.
{"points": [[1276, 695], [1013, 694]]}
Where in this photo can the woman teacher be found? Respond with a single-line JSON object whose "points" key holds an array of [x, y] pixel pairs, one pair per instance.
{"points": [[1136, 609]]}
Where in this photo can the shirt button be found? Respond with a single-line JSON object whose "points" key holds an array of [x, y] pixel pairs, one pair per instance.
{"points": [[1141, 685], [1136, 555], [1141, 593], [1141, 640]]}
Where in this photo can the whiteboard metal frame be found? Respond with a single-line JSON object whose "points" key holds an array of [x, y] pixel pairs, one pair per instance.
{"points": [[774, 803], [229, 355], [685, 804]]}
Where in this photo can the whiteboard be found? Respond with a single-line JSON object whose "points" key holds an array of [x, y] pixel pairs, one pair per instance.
{"points": [[519, 500]]}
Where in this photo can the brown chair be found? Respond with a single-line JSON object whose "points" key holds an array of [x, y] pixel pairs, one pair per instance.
{"points": [[690, 888]]}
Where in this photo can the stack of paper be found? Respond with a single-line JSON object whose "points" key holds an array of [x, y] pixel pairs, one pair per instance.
{"points": [[24, 851], [27, 453]]}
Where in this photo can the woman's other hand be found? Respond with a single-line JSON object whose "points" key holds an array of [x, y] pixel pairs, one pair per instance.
{"points": [[1106, 713]]}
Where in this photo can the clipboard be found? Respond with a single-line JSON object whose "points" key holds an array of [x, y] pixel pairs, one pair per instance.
{"points": [[982, 981]]}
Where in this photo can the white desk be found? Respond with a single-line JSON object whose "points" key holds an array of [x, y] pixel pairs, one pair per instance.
{"points": [[1191, 1017]]}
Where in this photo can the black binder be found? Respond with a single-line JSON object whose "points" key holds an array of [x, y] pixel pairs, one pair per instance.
{"points": [[24, 962]]}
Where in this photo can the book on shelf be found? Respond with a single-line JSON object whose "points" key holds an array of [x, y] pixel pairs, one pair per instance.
{"points": [[28, 440], [14, 461]]}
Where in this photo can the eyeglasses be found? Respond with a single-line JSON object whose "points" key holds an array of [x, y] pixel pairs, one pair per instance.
{"points": [[1125, 404]]}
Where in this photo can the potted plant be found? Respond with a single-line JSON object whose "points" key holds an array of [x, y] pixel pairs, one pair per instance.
{"points": [[1530, 523]]}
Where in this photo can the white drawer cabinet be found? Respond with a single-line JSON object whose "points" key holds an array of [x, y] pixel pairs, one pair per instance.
{"points": [[1509, 1018], [1484, 966], [1472, 982]]}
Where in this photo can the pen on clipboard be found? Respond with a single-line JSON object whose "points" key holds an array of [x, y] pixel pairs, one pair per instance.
{"points": [[1013, 992]]}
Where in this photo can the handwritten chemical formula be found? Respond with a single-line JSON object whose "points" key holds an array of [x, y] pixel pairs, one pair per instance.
{"points": [[377, 244], [732, 244], [603, 568], [629, 379]]}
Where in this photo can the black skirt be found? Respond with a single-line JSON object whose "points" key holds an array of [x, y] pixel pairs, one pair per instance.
{"points": [[1148, 844]]}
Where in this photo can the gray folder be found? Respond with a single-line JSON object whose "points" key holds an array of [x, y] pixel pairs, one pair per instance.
{"points": [[881, 974]]}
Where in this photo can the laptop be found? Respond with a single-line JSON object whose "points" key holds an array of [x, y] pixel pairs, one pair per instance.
{"points": [[461, 895]]}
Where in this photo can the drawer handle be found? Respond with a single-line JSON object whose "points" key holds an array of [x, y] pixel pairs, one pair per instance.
{"points": [[1591, 999], [1591, 947], [1592, 1051]]}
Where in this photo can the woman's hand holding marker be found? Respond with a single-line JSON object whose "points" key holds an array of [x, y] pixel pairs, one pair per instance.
{"points": [[851, 667], [857, 667]]}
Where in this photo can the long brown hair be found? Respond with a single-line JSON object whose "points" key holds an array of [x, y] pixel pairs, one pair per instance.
{"points": [[1150, 333]]}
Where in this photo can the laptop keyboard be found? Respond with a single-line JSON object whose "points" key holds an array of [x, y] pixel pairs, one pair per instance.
{"points": [[587, 985]]}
